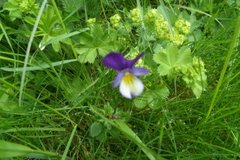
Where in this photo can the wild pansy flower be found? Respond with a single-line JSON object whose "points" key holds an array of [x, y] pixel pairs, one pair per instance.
{"points": [[127, 79]]}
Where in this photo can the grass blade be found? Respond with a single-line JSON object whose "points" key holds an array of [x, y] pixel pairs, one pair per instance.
{"points": [[39, 67], [69, 143], [61, 37], [8, 149], [28, 51]]}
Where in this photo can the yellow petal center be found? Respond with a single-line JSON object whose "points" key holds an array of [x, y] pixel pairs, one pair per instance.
{"points": [[128, 78]]}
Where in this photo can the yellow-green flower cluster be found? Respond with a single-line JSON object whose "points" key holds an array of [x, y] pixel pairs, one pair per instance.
{"points": [[135, 15], [151, 15], [180, 30], [161, 27], [115, 20], [91, 22], [176, 38], [26, 6], [162, 30], [182, 26]]}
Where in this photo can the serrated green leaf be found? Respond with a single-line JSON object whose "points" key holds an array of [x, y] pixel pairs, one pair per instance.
{"points": [[9, 149], [72, 5], [13, 7], [96, 129], [93, 43], [172, 58], [89, 55], [49, 23]]}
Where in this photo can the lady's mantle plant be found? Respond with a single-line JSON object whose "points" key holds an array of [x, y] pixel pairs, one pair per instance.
{"points": [[174, 62]]}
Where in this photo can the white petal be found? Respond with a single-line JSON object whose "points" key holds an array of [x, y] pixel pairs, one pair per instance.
{"points": [[133, 89]]}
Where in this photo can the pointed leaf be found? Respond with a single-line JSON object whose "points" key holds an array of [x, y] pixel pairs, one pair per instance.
{"points": [[8, 149]]}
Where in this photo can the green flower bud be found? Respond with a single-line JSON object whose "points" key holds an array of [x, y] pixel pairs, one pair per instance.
{"points": [[115, 20], [176, 38], [182, 26], [135, 15], [161, 22], [151, 15], [161, 27], [91, 22], [27, 6]]}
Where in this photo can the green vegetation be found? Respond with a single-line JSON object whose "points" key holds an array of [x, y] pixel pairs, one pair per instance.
{"points": [[56, 96]]}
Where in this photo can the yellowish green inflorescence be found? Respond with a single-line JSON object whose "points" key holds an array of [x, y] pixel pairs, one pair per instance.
{"points": [[135, 15], [151, 15], [115, 20], [182, 26], [160, 27], [91, 22], [176, 37], [27, 6], [176, 34]]}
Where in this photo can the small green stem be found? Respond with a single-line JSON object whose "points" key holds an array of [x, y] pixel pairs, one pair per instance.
{"points": [[103, 10]]}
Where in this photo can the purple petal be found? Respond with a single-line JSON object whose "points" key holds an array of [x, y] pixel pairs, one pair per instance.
{"points": [[131, 63], [118, 79], [139, 71], [115, 61]]}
